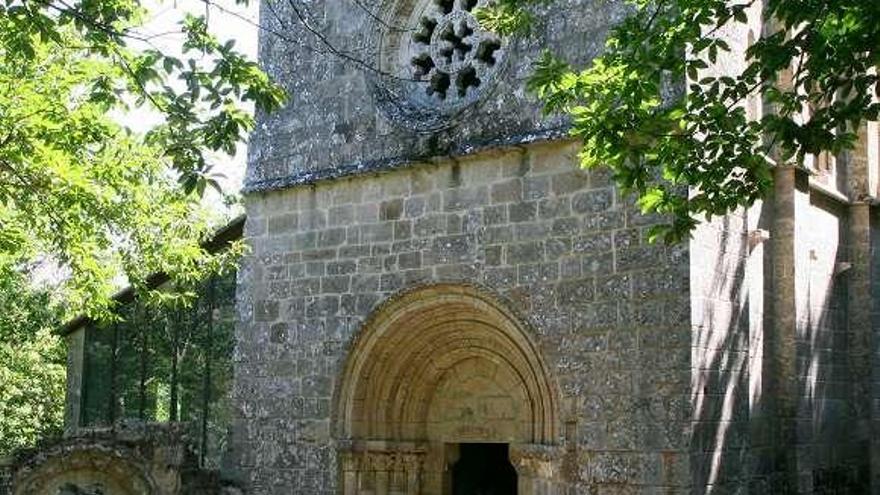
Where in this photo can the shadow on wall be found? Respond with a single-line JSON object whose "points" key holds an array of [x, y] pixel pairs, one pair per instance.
{"points": [[720, 346], [735, 435], [832, 459]]}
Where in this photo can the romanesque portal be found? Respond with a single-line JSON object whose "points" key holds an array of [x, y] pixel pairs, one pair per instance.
{"points": [[437, 374]]}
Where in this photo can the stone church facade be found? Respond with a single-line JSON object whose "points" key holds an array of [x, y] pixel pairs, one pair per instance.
{"points": [[431, 270], [436, 293]]}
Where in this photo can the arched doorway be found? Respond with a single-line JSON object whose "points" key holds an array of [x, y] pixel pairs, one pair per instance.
{"points": [[436, 372]]}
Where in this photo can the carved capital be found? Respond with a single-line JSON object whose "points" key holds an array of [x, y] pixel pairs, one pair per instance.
{"points": [[536, 460]]}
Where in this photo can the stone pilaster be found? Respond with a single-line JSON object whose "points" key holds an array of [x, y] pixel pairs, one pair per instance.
{"points": [[874, 281], [861, 170], [860, 328], [774, 426]]}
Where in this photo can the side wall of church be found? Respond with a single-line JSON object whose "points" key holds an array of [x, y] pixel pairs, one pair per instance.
{"points": [[781, 319], [609, 312], [782, 314], [727, 312]]}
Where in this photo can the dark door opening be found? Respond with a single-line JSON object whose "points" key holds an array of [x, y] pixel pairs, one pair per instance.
{"points": [[483, 469]]}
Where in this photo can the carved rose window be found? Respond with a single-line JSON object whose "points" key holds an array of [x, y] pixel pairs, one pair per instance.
{"points": [[435, 61], [453, 55]]}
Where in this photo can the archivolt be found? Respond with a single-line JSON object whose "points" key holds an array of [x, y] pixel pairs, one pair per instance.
{"points": [[411, 344]]}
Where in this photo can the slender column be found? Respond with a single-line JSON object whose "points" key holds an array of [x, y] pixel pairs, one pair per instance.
{"points": [[112, 406], [350, 483], [73, 416], [413, 474], [774, 427], [209, 358], [396, 474], [349, 463], [366, 480]]}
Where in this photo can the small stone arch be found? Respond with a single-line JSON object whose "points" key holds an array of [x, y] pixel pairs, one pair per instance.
{"points": [[435, 367], [77, 469]]}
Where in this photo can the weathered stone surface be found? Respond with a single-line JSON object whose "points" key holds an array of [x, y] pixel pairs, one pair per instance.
{"points": [[334, 128], [500, 233]]}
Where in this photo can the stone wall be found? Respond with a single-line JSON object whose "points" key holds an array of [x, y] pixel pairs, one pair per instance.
{"points": [[872, 380], [559, 246], [726, 312]]}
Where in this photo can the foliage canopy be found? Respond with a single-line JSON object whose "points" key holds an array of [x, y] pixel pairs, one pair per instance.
{"points": [[92, 202], [32, 363], [80, 189]]}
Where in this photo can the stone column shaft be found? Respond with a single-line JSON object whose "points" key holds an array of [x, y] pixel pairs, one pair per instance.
{"points": [[860, 313], [774, 438]]}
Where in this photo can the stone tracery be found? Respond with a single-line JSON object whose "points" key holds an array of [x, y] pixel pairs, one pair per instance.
{"points": [[451, 46]]}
